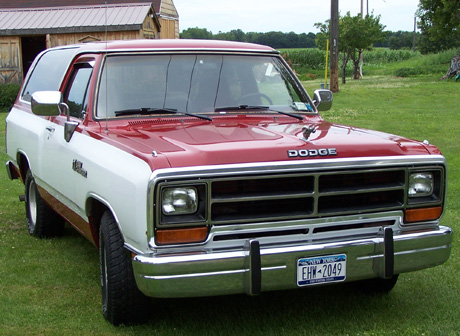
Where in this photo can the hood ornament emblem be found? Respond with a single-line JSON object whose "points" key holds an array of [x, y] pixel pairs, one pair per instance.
{"points": [[308, 130]]}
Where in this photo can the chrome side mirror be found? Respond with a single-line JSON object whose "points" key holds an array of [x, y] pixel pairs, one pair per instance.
{"points": [[322, 99], [50, 104], [46, 103]]}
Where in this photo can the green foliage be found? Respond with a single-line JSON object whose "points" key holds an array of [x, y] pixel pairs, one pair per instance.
{"points": [[402, 40], [8, 94], [356, 34], [383, 56], [311, 59], [196, 33], [273, 39], [439, 21], [308, 61], [405, 72]]}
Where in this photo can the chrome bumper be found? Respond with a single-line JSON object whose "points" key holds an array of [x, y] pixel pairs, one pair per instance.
{"points": [[263, 268], [11, 170]]}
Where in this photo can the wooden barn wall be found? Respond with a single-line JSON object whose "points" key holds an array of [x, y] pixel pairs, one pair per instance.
{"points": [[169, 28], [169, 20], [54, 40], [10, 60], [150, 29], [168, 8]]}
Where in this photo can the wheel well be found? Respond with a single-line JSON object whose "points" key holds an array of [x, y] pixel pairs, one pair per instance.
{"points": [[23, 166], [94, 210]]}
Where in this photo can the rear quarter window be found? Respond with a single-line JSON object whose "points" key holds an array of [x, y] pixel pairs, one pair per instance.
{"points": [[48, 72]]}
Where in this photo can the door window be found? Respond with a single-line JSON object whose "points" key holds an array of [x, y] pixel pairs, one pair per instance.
{"points": [[77, 91]]}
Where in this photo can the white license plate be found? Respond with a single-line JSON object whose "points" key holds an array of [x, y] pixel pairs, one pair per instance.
{"points": [[324, 269]]}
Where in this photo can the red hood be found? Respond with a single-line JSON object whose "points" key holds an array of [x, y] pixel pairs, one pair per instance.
{"points": [[247, 139]]}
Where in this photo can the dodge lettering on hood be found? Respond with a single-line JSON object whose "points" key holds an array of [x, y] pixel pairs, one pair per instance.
{"points": [[204, 168]]}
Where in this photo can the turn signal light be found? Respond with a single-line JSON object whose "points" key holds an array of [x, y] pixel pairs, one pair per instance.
{"points": [[181, 236], [424, 214]]}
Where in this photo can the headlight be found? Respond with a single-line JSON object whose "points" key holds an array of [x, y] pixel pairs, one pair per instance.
{"points": [[421, 184], [179, 201]]}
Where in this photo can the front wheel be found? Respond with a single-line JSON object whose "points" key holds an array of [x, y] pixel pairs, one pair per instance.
{"points": [[42, 221], [378, 285], [122, 302]]}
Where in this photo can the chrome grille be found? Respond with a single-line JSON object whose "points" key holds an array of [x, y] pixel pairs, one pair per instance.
{"points": [[296, 196]]}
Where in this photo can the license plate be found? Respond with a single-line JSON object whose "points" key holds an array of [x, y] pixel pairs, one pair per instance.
{"points": [[324, 269]]}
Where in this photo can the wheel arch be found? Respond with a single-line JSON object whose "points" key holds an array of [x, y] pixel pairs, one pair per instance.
{"points": [[95, 207], [23, 163]]}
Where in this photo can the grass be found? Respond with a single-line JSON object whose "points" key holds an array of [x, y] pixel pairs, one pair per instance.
{"points": [[51, 287]]}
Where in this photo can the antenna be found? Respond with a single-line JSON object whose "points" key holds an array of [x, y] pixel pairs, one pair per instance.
{"points": [[106, 74]]}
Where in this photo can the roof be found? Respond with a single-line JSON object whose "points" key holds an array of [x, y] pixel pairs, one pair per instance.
{"points": [[60, 3], [69, 19], [169, 45]]}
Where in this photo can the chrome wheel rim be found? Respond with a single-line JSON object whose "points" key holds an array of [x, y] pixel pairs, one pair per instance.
{"points": [[32, 205]]}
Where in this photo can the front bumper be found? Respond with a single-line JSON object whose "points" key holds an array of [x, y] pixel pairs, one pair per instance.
{"points": [[274, 267]]}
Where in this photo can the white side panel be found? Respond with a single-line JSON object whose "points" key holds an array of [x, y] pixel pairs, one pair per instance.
{"points": [[118, 178], [113, 175], [24, 134]]}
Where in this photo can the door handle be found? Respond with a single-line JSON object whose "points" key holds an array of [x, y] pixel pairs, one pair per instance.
{"points": [[50, 129]]}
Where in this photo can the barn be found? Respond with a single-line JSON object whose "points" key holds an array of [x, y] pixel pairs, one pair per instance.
{"points": [[29, 26]]}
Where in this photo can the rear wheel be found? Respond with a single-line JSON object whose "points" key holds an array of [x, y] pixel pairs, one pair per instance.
{"points": [[122, 302], [42, 221]]}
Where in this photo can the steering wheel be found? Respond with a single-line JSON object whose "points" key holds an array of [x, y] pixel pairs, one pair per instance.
{"points": [[255, 94]]}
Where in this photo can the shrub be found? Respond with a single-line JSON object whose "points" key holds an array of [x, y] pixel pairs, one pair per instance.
{"points": [[405, 72], [8, 94]]}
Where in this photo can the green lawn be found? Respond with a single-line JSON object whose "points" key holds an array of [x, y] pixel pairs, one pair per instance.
{"points": [[51, 287]]}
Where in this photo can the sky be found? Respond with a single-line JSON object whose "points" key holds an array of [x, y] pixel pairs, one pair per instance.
{"points": [[298, 16]]}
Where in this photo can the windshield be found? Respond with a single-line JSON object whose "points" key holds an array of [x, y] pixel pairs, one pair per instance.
{"points": [[196, 84]]}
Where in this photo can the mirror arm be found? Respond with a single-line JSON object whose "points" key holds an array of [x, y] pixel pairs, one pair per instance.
{"points": [[70, 126]]}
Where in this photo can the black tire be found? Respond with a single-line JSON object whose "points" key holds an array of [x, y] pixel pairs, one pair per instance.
{"points": [[42, 221], [378, 285], [122, 302]]}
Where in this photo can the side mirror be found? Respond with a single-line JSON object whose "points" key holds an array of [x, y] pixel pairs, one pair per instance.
{"points": [[46, 103], [50, 104], [322, 99]]}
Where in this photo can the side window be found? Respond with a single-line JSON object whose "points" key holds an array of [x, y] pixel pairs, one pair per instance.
{"points": [[76, 92], [48, 72]]}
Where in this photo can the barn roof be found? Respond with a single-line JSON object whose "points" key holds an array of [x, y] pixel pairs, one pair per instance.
{"points": [[68, 19], [59, 3]]}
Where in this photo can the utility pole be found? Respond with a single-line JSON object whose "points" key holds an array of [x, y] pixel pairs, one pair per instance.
{"points": [[334, 37]]}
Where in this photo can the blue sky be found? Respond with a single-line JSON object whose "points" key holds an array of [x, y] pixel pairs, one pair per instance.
{"points": [[294, 15]]}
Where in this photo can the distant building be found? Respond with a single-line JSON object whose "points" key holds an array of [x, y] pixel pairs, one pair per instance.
{"points": [[29, 26]]}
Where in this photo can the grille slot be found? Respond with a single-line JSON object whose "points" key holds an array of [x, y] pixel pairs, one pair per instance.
{"points": [[296, 196], [361, 202], [262, 209]]}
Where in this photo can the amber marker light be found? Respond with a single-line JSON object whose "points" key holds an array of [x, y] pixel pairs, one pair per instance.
{"points": [[181, 236], [424, 214]]}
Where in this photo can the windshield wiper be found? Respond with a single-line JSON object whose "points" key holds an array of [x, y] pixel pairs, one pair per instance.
{"points": [[241, 107], [148, 111], [144, 111], [257, 107]]}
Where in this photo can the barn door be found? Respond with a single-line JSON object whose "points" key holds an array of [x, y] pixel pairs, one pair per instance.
{"points": [[31, 47], [10, 61]]}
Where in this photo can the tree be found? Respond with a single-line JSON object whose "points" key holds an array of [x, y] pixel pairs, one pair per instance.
{"points": [[359, 34], [356, 34], [196, 33], [439, 21]]}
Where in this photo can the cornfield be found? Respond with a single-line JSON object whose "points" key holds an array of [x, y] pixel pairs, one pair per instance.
{"points": [[315, 59]]}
